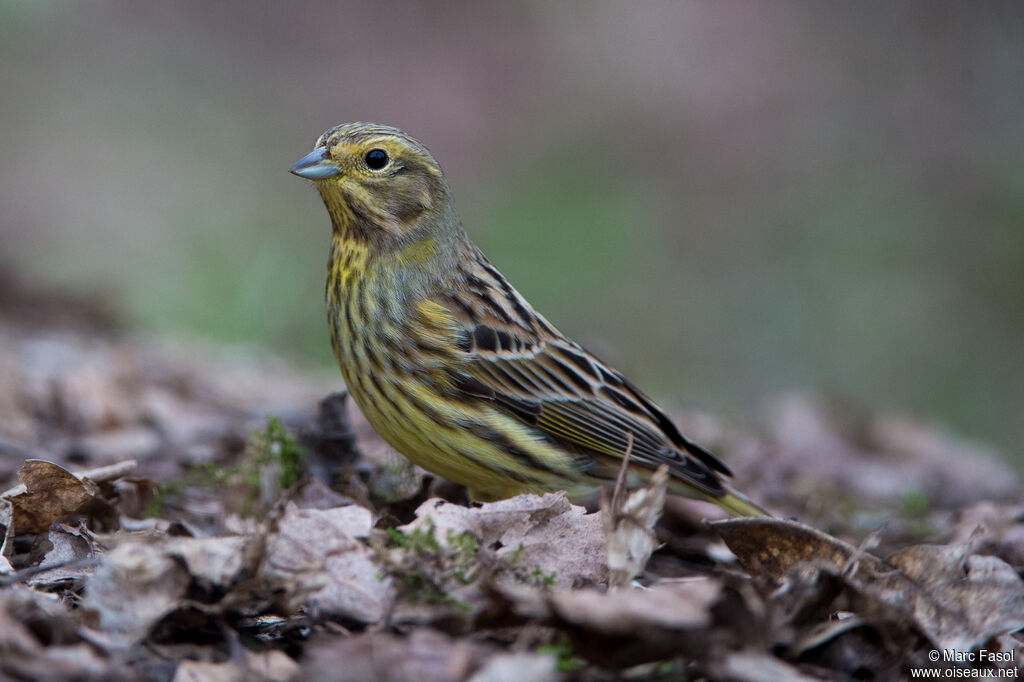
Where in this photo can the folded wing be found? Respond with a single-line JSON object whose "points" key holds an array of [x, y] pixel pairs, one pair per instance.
{"points": [[552, 384]]}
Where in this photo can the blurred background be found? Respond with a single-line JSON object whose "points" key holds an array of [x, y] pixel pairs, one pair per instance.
{"points": [[725, 200]]}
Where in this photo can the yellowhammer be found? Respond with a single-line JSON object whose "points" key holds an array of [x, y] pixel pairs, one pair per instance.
{"points": [[451, 365]]}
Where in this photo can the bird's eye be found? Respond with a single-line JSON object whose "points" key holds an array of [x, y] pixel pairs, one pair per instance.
{"points": [[376, 159]]}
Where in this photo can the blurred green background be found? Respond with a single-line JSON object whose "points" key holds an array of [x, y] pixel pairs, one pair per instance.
{"points": [[726, 200]]}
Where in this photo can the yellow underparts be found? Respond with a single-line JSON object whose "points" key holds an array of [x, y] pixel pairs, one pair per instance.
{"points": [[463, 439]]}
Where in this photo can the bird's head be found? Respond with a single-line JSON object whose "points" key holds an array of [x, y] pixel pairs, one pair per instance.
{"points": [[378, 184]]}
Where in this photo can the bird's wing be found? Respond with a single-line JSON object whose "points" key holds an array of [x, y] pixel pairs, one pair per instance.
{"points": [[547, 381]]}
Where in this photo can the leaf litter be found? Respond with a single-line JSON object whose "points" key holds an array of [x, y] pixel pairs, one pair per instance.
{"points": [[156, 526]]}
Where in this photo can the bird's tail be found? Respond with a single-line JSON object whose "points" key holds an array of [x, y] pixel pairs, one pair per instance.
{"points": [[733, 501], [737, 504]]}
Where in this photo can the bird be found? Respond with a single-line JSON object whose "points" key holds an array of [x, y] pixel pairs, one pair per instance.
{"points": [[452, 367]]}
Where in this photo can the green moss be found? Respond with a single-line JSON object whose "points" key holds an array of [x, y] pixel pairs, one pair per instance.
{"points": [[562, 649], [271, 452], [914, 504], [515, 555], [545, 579], [425, 570], [275, 447]]}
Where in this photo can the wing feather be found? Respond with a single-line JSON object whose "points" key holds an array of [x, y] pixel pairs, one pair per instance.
{"points": [[552, 384]]}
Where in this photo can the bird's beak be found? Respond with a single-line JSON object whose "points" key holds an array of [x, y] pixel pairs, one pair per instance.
{"points": [[315, 166]]}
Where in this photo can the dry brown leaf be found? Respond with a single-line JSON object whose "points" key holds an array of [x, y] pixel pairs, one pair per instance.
{"points": [[318, 549], [140, 582], [135, 585], [555, 536], [312, 552], [424, 656], [207, 671], [521, 666], [630, 627], [52, 493], [64, 662], [16, 603], [994, 529], [755, 666], [39, 640], [958, 599], [315, 494], [772, 547], [965, 599], [65, 560], [213, 563], [7, 539], [134, 497], [674, 606], [270, 666]]}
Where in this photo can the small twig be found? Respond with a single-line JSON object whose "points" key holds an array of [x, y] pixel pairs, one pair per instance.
{"points": [[111, 472], [853, 563], [26, 573], [620, 481], [628, 521]]}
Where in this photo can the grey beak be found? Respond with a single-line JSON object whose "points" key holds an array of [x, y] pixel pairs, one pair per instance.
{"points": [[315, 166]]}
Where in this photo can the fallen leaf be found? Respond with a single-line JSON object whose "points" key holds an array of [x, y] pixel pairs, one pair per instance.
{"points": [[319, 550], [424, 656], [521, 666], [64, 662], [772, 547], [966, 599], [673, 606], [994, 529], [270, 666], [7, 541], [635, 626], [37, 635], [52, 493], [18, 605], [755, 666], [547, 532], [65, 560], [135, 585], [214, 564], [958, 599]]}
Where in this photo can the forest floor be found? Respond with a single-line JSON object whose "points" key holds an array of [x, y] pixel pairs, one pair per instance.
{"points": [[174, 512]]}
